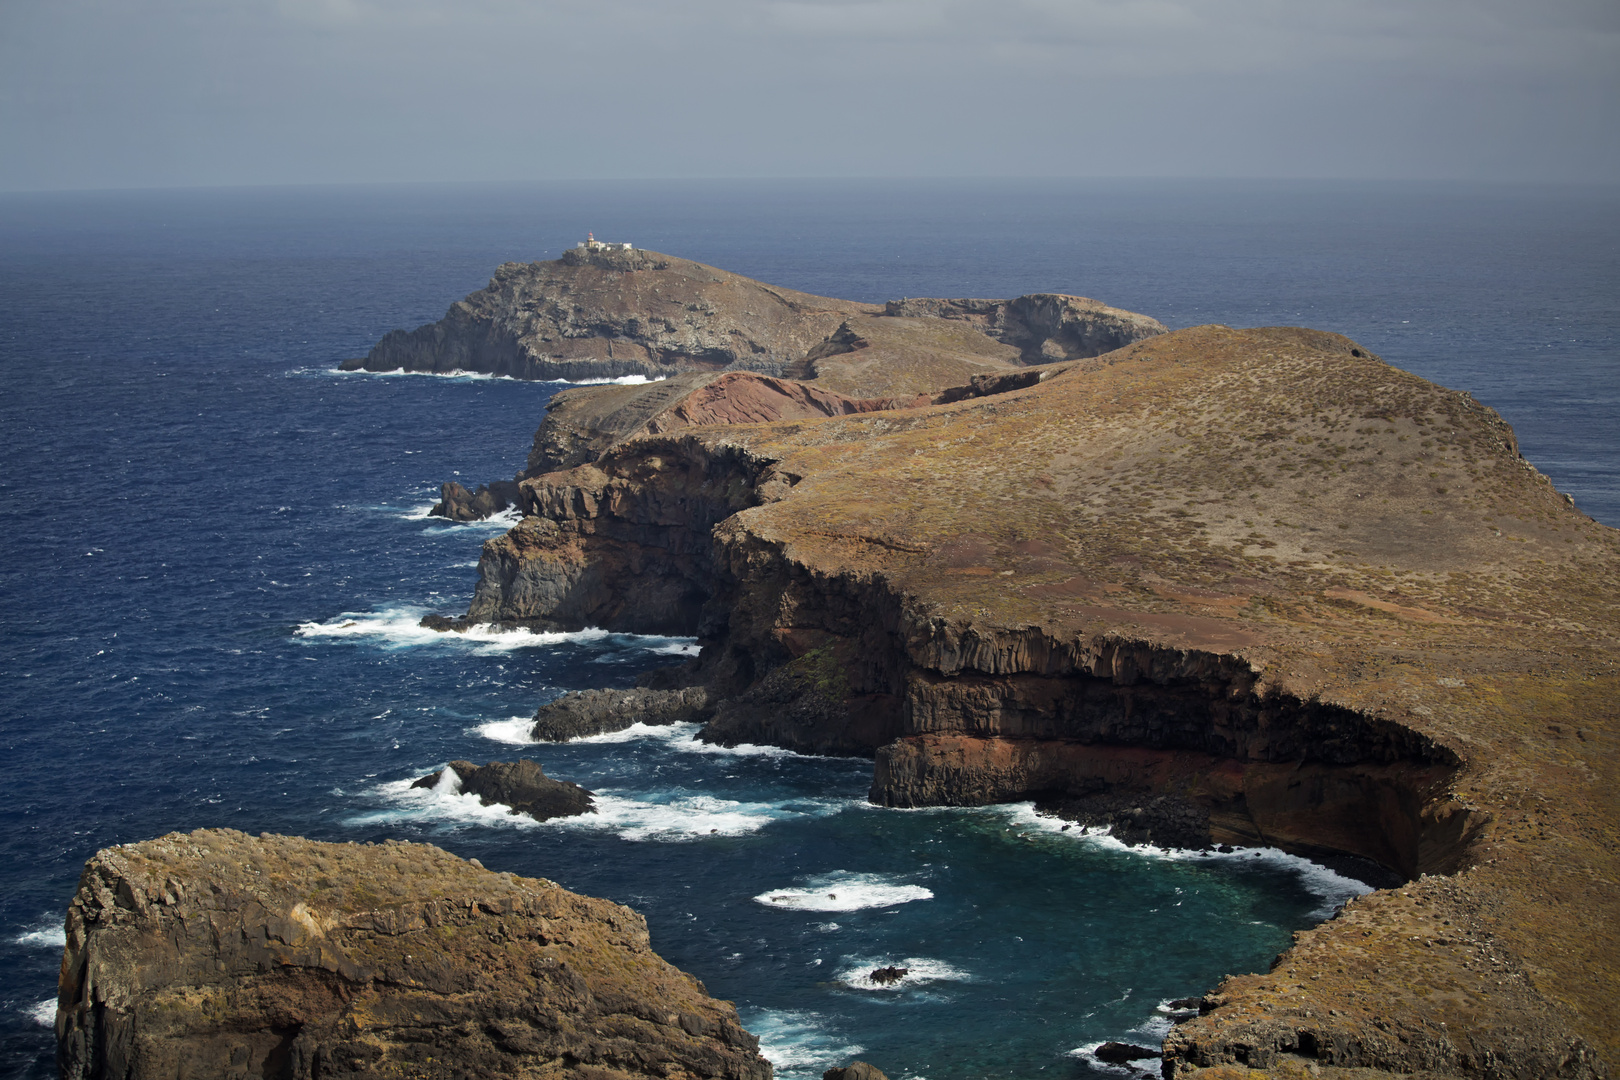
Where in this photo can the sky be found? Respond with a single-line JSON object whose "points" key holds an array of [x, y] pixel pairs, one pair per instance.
{"points": [[167, 93]]}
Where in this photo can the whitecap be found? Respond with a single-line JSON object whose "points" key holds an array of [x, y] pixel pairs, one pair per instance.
{"points": [[500, 522], [681, 737], [401, 627], [842, 890], [855, 972], [421, 513], [622, 380], [443, 803], [43, 1014], [514, 730], [683, 817], [799, 1041], [48, 934], [1332, 887], [401, 372]]}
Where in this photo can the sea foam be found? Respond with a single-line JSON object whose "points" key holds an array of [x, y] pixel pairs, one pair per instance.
{"points": [[799, 1042], [1332, 887], [842, 890], [48, 933], [444, 803], [43, 1014], [684, 817], [400, 627], [855, 972]]}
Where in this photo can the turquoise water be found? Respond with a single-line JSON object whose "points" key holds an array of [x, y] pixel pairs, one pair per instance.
{"points": [[215, 554]]}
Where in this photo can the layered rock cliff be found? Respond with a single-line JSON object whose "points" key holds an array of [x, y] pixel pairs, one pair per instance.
{"points": [[1321, 600], [219, 954]]}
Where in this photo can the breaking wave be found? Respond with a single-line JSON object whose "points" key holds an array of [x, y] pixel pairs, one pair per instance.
{"points": [[1332, 887], [682, 817], [47, 934], [842, 890], [400, 627], [799, 1042], [856, 972], [444, 803]]}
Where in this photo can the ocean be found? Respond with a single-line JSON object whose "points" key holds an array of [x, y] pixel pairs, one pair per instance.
{"points": [[215, 550]]}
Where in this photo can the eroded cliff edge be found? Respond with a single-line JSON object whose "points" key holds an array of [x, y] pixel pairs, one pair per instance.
{"points": [[216, 953], [1259, 570]]}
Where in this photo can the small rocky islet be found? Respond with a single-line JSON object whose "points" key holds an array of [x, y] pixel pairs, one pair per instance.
{"points": [[1202, 587]]}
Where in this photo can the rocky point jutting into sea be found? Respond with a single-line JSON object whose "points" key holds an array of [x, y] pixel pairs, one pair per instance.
{"points": [[1211, 585]]}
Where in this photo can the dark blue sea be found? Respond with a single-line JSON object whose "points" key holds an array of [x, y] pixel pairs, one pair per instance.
{"points": [[214, 550]]}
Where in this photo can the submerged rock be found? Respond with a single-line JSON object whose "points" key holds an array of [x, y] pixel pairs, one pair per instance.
{"points": [[579, 713], [218, 954], [521, 784]]}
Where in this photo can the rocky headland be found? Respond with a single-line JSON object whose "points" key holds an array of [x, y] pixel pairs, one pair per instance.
{"points": [[1243, 586], [219, 954]]}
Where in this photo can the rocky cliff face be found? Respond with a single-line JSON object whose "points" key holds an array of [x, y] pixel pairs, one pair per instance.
{"points": [[1320, 600], [223, 955]]}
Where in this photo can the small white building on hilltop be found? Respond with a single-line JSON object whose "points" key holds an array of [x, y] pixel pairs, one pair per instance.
{"points": [[591, 243]]}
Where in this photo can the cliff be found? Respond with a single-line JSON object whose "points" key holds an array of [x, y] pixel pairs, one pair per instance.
{"points": [[1319, 600], [215, 953]]}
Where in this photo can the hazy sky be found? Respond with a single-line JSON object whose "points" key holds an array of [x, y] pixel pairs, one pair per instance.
{"points": [[125, 93]]}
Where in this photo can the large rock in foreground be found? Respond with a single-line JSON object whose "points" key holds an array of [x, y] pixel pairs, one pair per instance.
{"points": [[217, 954]]}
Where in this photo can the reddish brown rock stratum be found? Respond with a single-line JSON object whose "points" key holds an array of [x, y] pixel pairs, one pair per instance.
{"points": [[1318, 599], [218, 954]]}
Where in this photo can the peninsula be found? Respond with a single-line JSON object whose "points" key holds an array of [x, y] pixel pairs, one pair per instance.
{"points": [[1317, 601]]}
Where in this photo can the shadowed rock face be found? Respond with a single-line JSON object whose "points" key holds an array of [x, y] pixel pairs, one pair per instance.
{"points": [[1323, 601], [219, 954]]}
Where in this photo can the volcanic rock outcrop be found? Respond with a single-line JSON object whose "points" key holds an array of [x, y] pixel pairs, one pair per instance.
{"points": [[218, 954], [521, 785], [1318, 599]]}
